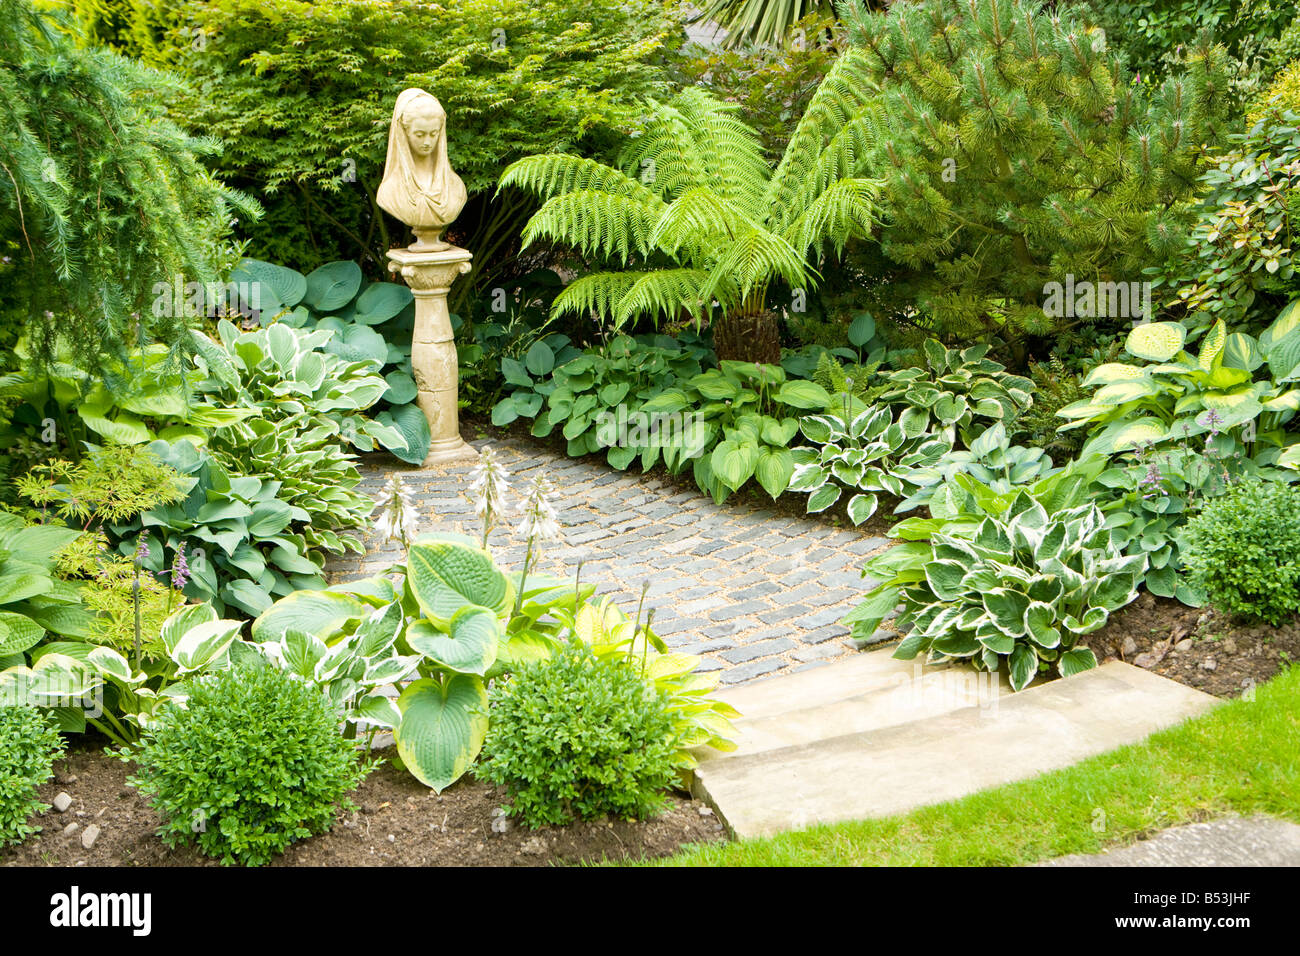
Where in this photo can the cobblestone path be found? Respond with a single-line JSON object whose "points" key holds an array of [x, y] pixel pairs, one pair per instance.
{"points": [[752, 591]]}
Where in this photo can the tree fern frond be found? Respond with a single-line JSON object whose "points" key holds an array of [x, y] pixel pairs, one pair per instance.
{"points": [[846, 156], [732, 151], [846, 210], [553, 174], [598, 292], [844, 95], [664, 294], [751, 261], [598, 223], [696, 218]]}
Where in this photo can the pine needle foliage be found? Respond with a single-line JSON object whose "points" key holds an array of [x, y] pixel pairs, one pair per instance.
{"points": [[693, 213], [1016, 150], [101, 196]]}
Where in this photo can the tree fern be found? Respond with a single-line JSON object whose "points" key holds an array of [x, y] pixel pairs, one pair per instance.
{"points": [[695, 192]]}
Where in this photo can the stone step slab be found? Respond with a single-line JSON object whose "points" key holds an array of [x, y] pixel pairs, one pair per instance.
{"points": [[907, 764]]}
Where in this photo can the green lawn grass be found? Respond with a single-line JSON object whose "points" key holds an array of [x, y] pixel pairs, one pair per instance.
{"points": [[1243, 757]]}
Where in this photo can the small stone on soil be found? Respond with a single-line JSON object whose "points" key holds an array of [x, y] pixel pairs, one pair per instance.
{"points": [[1129, 648], [706, 812], [1184, 645], [89, 836], [71, 828], [1208, 664], [61, 802]]}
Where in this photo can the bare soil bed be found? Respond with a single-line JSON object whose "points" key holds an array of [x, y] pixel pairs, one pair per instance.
{"points": [[399, 822], [1198, 647]]}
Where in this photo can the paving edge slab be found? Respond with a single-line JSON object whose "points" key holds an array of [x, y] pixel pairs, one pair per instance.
{"points": [[1230, 841]]}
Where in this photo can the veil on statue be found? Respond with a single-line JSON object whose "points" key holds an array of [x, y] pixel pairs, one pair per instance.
{"points": [[428, 204]]}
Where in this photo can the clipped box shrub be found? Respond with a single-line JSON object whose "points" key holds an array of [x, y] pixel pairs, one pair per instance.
{"points": [[29, 745], [253, 762], [1243, 549], [575, 736]]}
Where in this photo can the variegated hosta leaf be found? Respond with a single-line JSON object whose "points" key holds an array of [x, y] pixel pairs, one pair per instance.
{"points": [[378, 711], [203, 644]]}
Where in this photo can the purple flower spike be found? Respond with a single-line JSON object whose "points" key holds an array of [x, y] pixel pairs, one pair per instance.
{"points": [[180, 570]]}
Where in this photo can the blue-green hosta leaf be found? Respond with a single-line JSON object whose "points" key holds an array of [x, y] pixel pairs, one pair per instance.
{"points": [[442, 728], [1023, 667], [277, 287], [381, 301], [408, 420], [401, 388], [469, 646], [1040, 621], [332, 286], [19, 587], [445, 576], [1076, 660]]}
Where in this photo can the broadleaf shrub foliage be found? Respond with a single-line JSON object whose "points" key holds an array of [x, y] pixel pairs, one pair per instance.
{"points": [[251, 764], [29, 745], [1243, 548], [575, 736]]}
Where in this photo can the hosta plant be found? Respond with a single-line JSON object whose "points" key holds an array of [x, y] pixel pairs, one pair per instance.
{"points": [[991, 459], [370, 324], [33, 598], [285, 373], [94, 684], [461, 621], [740, 419], [1235, 383], [1018, 590], [869, 454]]}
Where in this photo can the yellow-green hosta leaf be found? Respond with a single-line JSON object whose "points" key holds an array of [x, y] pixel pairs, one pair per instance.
{"points": [[313, 612], [1212, 346], [442, 728], [469, 646], [1109, 373], [1156, 341], [1124, 436], [1121, 392], [18, 633], [773, 470], [1084, 409]]}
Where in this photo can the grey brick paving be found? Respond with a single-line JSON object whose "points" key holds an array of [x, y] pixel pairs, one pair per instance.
{"points": [[756, 591]]}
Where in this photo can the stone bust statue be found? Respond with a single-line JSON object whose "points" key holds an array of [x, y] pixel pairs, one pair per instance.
{"points": [[419, 186]]}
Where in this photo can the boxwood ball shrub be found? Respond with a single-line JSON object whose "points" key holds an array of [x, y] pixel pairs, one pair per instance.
{"points": [[576, 737], [29, 745], [1243, 550], [252, 762]]}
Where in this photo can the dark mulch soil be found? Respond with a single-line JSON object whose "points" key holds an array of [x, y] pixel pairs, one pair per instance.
{"points": [[399, 823], [1198, 647]]}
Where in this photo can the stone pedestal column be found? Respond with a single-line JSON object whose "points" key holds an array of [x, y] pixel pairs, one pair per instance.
{"points": [[433, 351]]}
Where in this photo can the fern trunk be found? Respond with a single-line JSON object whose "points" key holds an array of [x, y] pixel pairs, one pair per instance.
{"points": [[750, 334]]}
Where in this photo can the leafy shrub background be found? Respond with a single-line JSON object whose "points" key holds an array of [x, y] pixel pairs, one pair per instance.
{"points": [[1243, 549], [253, 762], [575, 737], [303, 94], [29, 745]]}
